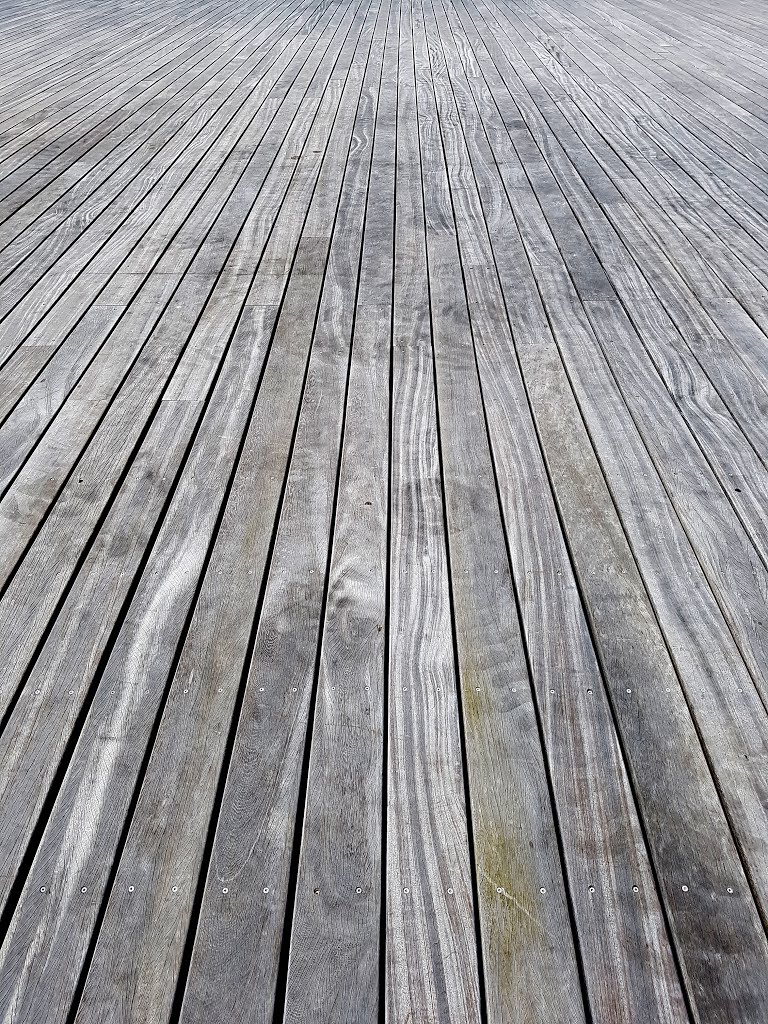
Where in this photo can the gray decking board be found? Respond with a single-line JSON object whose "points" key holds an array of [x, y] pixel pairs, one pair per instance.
{"points": [[383, 478], [430, 945]]}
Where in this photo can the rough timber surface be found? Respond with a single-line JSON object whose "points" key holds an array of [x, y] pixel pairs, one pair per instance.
{"points": [[384, 512]]}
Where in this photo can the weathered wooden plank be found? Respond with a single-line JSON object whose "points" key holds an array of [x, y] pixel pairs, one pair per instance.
{"points": [[244, 925], [180, 543], [34, 206], [169, 858], [315, 313], [42, 399], [528, 954], [241, 174], [335, 947], [91, 261], [731, 723], [648, 115], [602, 843], [35, 137], [431, 957], [701, 915]]}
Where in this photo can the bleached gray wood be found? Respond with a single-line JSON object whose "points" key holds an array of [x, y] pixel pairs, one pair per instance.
{"points": [[383, 480], [431, 956], [335, 948], [161, 859]]}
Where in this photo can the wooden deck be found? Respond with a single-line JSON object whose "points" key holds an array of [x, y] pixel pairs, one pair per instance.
{"points": [[384, 512]]}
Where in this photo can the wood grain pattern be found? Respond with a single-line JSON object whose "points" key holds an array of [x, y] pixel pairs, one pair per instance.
{"points": [[431, 959], [599, 828], [335, 949], [383, 488], [528, 955]]}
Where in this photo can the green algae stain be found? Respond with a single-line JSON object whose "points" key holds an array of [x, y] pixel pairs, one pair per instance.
{"points": [[510, 922]]}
